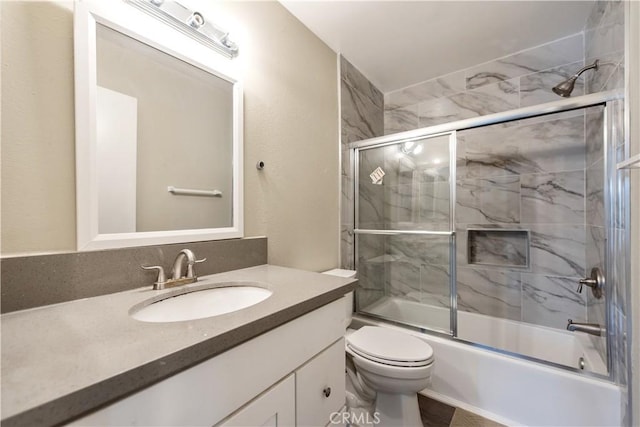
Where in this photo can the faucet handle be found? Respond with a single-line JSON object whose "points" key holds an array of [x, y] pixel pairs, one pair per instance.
{"points": [[191, 272], [162, 277]]}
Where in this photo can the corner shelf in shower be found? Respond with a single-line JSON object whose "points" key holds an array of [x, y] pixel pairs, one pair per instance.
{"points": [[631, 163]]}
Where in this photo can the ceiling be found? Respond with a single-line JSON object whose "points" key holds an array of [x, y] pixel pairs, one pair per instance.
{"points": [[400, 43]]}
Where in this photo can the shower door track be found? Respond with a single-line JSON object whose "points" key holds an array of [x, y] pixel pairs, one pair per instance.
{"points": [[491, 119]]}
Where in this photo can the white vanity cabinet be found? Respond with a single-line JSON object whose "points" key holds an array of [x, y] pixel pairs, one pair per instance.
{"points": [[278, 378], [275, 407], [320, 387]]}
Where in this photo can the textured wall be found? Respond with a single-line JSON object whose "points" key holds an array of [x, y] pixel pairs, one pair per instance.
{"points": [[291, 123], [38, 152]]}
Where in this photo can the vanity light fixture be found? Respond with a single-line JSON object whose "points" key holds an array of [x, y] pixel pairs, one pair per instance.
{"points": [[190, 23]]}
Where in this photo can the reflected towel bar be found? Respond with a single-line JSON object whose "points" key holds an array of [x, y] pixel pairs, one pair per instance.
{"points": [[189, 192]]}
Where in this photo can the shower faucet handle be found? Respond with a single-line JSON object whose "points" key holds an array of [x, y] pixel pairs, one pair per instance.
{"points": [[589, 282], [595, 282]]}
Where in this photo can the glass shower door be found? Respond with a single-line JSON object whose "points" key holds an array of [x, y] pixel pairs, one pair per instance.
{"points": [[404, 231], [530, 224]]}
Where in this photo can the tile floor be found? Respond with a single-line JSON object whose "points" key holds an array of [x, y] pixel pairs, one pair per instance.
{"points": [[438, 414]]}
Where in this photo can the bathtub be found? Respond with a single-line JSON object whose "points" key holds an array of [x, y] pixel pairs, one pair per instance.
{"points": [[501, 387]]}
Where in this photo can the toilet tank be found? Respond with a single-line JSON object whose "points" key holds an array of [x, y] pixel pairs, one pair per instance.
{"points": [[349, 297]]}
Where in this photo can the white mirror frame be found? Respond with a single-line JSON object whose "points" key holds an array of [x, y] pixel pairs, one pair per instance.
{"points": [[137, 24]]}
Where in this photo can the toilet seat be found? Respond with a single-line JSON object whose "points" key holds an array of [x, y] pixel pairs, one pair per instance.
{"points": [[390, 347]]}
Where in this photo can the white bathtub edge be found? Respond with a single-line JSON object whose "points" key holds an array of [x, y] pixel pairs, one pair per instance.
{"points": [[508, 388]]}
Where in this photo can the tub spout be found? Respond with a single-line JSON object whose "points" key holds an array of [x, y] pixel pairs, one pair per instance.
{"points": [[587, 328]]}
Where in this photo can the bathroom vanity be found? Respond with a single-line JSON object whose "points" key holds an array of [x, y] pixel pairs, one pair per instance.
{"points": [[278, 362]]}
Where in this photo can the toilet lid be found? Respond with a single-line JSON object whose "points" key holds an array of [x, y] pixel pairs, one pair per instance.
{"points": [[389, 346]]}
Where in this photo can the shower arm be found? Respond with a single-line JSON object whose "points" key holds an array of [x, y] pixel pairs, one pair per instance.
{"points": [[595, 65]]}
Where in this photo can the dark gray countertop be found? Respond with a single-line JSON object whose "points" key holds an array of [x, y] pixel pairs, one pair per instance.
{"points": [[61, 361]]}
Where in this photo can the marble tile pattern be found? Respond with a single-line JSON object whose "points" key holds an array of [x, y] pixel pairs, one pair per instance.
{"points": [[558, 249], [401, 119], [553, 197], [488, 200], [562, 51], [551, 300], [446, 85], [522, 79], [354, 78], [494, 292], [604, 40], [531, 147], [603, 79], [362, 117]]}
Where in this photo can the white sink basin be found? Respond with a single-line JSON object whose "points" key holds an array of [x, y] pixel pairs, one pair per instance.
{"points": [[201, 303]]}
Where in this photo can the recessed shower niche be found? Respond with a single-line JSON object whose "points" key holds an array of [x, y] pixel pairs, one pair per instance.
{"points": [[500, 248]]}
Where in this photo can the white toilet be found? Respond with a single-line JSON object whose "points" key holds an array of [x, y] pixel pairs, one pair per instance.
{"points": [[391, 363]]}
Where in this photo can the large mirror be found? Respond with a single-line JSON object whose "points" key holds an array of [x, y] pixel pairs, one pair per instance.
{"points": [[159, 133]]}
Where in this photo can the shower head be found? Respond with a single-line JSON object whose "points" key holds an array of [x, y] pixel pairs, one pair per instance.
{"points": [[565, 88]]}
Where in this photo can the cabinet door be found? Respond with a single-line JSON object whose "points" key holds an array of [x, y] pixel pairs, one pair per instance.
{"points": [[320, 387], [274, 407]]}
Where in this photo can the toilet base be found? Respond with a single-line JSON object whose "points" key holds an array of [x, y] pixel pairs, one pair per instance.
{"points": [[396, 409]]}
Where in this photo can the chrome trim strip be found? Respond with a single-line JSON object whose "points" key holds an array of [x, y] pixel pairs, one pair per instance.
{"points": [[490, 119], [453, 267], [398, 232], [609, 246]]}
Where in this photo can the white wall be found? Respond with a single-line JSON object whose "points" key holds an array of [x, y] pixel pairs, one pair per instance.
{"points": [[291, 123]]}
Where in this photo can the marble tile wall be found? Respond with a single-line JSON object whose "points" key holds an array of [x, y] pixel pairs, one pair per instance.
{"points": [[519, 80], [361, 106]]}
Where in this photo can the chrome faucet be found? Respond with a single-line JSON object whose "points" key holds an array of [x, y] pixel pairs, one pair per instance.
{"points": [[189, 256], [587, 328], [177, 278]]}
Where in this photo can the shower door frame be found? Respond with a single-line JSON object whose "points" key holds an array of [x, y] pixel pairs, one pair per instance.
{"points": [[453, 300], [603, 99]]}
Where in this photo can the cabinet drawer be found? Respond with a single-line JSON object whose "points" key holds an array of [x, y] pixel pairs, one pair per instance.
{"points": [[321, 376]]}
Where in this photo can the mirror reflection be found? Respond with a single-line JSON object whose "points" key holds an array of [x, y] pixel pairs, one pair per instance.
{"points": [[161, 123]]}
